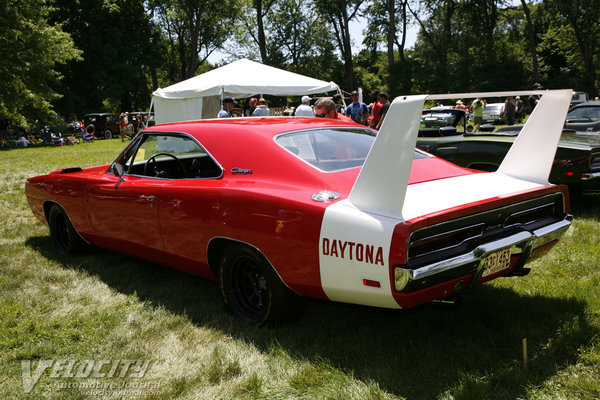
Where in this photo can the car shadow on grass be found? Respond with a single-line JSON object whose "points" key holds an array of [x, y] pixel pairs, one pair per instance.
{"points": [[586, 205], [470, 351]]}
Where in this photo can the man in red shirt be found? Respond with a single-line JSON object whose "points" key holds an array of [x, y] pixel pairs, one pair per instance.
{"points": [[375, 108], [325, 108]]}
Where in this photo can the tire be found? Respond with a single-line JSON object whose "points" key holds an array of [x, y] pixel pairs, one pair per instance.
{"points": [[108, 134], [64, 237], [253, 291]]}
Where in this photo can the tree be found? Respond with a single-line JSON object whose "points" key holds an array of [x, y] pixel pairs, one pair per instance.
{"points": [[339, 13], [582, 17], [262, 8], [31, 50], [121, 52], [194, 29], [532, 41], [386, 19], [436, 39], [298, 35]]}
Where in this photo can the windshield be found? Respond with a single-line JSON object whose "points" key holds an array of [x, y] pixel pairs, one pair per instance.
{"points": [[584, 114], [330, 149]]}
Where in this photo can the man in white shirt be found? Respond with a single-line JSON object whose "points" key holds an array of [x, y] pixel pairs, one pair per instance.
{"points": [[304, 109]]}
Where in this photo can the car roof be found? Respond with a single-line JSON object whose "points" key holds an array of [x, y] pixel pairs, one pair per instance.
{"points": [[591, 103], [263, 126], [98, 114], [249, 143]]}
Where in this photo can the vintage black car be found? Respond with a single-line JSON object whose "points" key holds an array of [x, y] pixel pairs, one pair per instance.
{"points": [[584, 117], [102, 125], [577, 161]]}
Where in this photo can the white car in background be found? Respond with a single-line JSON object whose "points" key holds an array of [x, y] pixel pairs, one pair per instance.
{"points": [[494, 113]]}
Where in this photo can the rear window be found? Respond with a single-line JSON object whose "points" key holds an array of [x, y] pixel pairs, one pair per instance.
{"points": [[331, 150]]}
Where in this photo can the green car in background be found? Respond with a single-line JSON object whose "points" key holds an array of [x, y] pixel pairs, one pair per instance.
{"points": [[577, 161]]}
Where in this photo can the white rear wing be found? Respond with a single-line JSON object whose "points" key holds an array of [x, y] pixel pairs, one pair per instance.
{"points": [[382, 183]]}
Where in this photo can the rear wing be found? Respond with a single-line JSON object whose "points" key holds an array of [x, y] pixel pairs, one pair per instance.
{"points": [[383, 180]]}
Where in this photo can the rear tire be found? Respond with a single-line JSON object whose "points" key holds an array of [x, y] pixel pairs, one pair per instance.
{"points": [[64, 237], [253, 291]]}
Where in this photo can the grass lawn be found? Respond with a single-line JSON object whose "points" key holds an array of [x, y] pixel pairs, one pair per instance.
{"points": [[105, 306]]}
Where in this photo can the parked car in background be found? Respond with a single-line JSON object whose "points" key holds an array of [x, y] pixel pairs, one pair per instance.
{"points": [[280, 208], [76, 128], [494, 113], [148, 117], [584, 117], [102, 125], [578, 98], [440, 117], [576, 164]]}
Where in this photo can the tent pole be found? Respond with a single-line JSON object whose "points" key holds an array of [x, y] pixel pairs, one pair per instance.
{"points": [[342, 95]]}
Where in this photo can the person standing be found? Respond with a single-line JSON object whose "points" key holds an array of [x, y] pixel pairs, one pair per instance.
{"points": [[325, 108], [304, 109], [534, 99], [519, 109], [339, 105], [141, 123], [228, 103], [261, 110], [385, 101], [374, 108], [123, 122], [510, 110], [478, 106], [251, 107], [358, 111]]}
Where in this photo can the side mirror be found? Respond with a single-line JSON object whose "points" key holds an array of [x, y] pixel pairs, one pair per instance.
{"points": [[117, 169]]}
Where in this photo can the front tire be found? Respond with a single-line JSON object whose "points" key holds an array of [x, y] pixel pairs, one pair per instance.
{"points": [[108, 134], [253, 291], [64, 237]]}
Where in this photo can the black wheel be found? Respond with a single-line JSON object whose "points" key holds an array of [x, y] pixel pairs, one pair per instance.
{"points": [[65, 238], [108, 134], [253, 291]]}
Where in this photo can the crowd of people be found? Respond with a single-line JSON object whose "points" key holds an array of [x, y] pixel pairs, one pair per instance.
{"points": [[514, 109], [129, 128], [325, 107]]}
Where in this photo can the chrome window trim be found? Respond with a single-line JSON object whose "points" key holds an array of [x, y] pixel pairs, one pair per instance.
{"points": [[169, 133]]}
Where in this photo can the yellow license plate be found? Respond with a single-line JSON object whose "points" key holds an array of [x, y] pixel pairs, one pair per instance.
{"points": [[496, 262]]}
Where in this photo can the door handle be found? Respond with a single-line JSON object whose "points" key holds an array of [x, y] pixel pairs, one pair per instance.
{"points": [[149, 198]]}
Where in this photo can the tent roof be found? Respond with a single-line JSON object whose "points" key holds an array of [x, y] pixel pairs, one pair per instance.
{"points": [[244, 78]]}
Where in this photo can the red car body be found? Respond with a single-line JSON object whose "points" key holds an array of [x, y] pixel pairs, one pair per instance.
{"points": [[253, 217]]}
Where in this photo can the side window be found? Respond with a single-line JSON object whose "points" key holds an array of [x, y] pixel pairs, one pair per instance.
{"points": [[126, 158], [171, 157]]}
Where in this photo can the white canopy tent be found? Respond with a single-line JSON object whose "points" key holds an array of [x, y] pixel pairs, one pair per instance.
{"points": [[200, 97]]}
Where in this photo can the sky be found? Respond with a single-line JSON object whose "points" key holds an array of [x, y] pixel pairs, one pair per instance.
{"points": [[356, 28]]}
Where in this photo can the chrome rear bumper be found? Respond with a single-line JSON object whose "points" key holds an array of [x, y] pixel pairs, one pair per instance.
{"points": [[407, 280]]}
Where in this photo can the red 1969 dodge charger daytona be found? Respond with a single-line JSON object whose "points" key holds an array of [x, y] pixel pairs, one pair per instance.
{"points": [[277, 209]]}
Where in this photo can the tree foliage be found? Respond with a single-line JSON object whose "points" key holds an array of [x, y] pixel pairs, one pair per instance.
{"points": [[30, 51], [79, 56]]}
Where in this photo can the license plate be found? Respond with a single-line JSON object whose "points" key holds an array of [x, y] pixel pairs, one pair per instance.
{"points": [[497, 262]]}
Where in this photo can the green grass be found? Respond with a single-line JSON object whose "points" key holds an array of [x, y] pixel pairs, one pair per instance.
{"points": [[105, 306]]}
